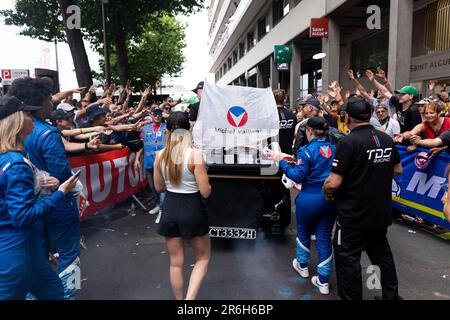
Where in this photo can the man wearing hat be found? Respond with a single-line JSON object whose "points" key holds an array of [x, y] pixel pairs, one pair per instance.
{"points": [[408, 114], [193, 109], [310, 108], [360, 184], [384, 122], [153, 136]]}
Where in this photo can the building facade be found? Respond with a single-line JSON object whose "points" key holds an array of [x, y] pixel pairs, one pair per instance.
{"points": [[411, 40]]}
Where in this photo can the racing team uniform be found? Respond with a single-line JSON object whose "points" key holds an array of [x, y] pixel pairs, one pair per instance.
{"points": [[24, 266], [45, 149], [314, 214], [154, 141]]}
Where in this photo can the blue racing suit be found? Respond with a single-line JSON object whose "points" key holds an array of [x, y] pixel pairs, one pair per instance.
{"points": [[24, 266], [154, 141], [314, 214], [45, 149]]}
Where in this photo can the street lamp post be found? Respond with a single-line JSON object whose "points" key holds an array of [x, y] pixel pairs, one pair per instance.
{"points": [[317, 57], [106, 41]]}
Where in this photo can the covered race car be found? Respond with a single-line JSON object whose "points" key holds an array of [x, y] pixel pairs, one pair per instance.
{"points": [[234, 127]]}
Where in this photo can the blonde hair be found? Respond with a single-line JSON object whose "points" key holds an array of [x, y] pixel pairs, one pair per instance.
{"points": [[10, 128], [171, 158]]}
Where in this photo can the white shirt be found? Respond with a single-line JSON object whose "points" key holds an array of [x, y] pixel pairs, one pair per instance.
{"points": [[392, 127], [188, 184]]}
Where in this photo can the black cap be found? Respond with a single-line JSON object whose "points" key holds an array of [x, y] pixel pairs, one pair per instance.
{"points": [[178, 120], [60, 114], [311, 101], [318, 123], [11, 104], [95, 111], [358, 108], [199, 86]]}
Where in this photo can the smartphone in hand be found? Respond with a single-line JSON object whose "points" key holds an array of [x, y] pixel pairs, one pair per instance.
{"points": [[77, 174]]}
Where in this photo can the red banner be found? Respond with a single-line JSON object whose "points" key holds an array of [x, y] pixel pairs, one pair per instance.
{"points": [[108, 178], [319, 28]]}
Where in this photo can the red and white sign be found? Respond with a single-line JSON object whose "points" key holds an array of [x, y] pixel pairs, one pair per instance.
{"points": [[108, 178], [9, 75], [319, 28]]}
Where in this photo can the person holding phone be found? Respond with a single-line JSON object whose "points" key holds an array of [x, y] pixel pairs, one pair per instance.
{"points": [[45, 149], [24, 267]]}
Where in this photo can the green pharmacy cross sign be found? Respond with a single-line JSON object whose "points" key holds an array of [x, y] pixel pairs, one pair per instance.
{"points": [[283, 54]]}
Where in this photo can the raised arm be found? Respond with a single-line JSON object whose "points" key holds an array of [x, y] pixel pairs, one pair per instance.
{"points": [[378, 85], [60, 96], [358, 85]]}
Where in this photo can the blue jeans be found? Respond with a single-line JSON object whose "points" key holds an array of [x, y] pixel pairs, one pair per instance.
{"points": [[160, 197], [315, 216]]}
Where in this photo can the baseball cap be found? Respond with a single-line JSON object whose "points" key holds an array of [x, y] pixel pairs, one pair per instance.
{"points": [[424, 101], [66, 107], [199, 86], [358, 108], [407, 90], [60, 114], [318, 123], [311, 101], [178, 120], [95, 111], [11, 104]]}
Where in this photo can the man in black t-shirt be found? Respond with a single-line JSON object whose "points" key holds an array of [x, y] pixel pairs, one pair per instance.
{"points": [[288, 122], [193, 108], [408, 114], [361, 183]]}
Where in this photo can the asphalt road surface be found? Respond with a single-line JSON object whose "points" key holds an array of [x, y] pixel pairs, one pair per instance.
{"points": [[127, 260]]}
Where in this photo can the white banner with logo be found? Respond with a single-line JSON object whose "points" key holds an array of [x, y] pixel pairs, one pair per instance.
{"points": [[232, 116]]}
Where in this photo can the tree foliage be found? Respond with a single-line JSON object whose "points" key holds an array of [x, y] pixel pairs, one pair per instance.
{"points": [[158, 53], [132, 25], [39, 19]]}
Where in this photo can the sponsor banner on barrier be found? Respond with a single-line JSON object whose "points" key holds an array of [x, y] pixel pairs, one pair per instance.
{"points": [[419, 190], [108, 178]]}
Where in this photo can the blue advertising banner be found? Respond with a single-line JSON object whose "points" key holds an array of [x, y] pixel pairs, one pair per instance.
{"points": [[419, 190]]}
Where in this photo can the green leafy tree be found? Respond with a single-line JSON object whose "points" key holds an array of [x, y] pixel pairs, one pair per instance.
{"points": [[128, 20]]}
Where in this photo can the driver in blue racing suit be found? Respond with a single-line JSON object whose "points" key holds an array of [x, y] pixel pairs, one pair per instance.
{"points": [[45, 149], [314, 214]]}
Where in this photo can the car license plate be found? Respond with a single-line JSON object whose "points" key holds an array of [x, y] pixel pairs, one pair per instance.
{"points": [[232, 233]]}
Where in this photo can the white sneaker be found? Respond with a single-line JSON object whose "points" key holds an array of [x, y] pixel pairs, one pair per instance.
{"points": [[158, 218], [155, 210], [303, 272], [324, 288]]}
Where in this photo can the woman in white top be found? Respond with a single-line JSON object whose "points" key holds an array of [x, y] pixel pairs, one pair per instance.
{"points": [[180, 171]]}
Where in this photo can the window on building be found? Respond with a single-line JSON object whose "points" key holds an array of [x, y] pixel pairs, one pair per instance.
{"points": [[437, 26], [241, 50], [230, 63], [235, 57], [286, 7], [251, 40], [277, 11], [262, 28], [370, 52]]}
